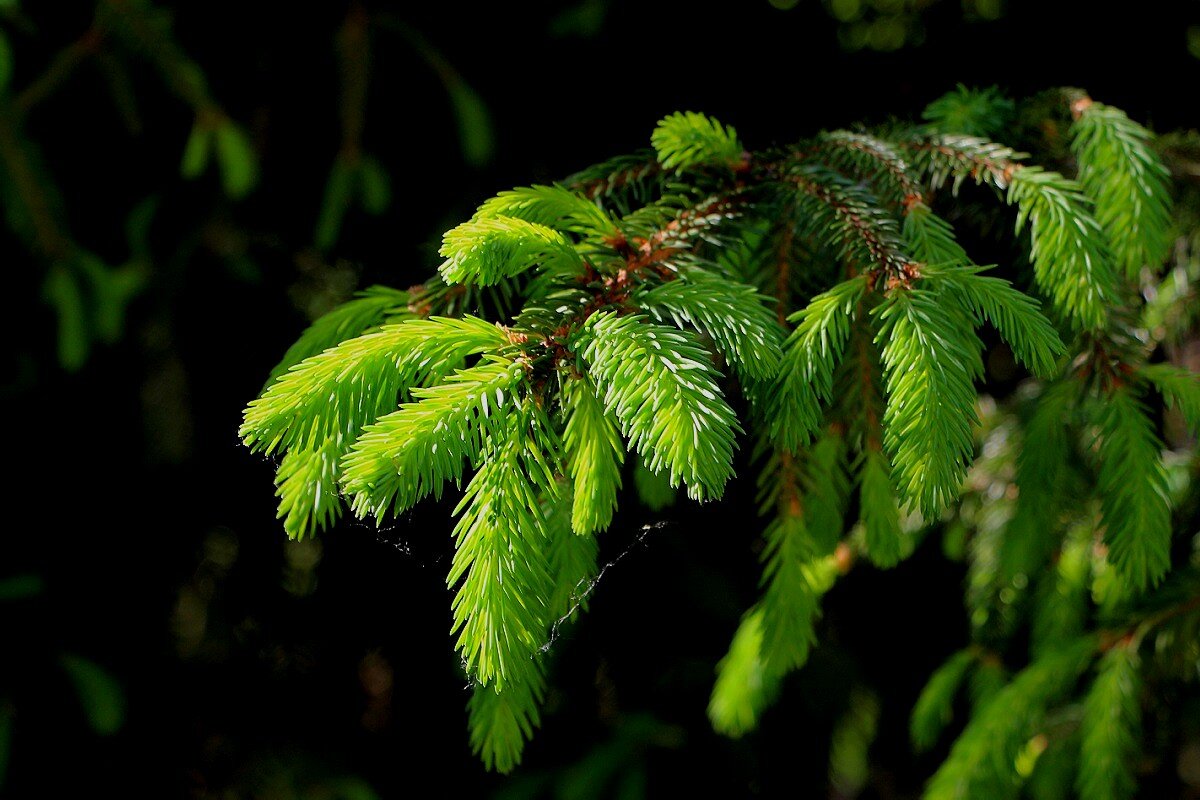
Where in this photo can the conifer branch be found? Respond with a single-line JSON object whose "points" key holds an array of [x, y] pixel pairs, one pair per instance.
{"points": [[744, 685], [1061, 606], [1179, 387], [501, 558], [307, 487], [1126, 181], [734, 315], [487, 250], [1071, 263], [594, 454], [1133, 490], [866, 157], [1015, 315], [971, 112], [810, 356], [412, 452], [623, 287], [877, 505], [1040, 471], [659, 384], [688, 139], [606, 182], [337, 392], [572, 560], [1110, 728], [931, 360], [806, 526], [501, 721], [981, 762], [370, 308], [551, 206], [832, 209], [935, 705]]}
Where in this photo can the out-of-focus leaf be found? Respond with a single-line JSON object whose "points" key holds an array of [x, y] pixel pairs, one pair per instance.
{"points": [[849, 764], [354, 789], [137, 229], [63, 292], [631, 785], [111, 291], [375, 186], [195, 151], [238, 161], [21, 586], [6, 61], [99, 693], [335, 204], [474, 123]]}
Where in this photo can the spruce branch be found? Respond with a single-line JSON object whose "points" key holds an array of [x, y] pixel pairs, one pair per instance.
{"points": [[370, 308], [810, 356], [1071, 263], [750, 674], [744, 685], [792, 579], [872, 159], [877, 507], [1179, 387], [1015, 315], [1041, 471], [1061, 603], [688, 139], [551, 206], [412, 452], [572, 561], [340, 390], [307, 486], [660, 385], [848, 218], [1133, 490], [981, 762], [737, 318], [622, 288], [487, 250], [1111, 728], [501, 558], [1126, 181], [621, 181], [594, 454], [972, 112], [931, 359], [502, 721], [935, 706], [1069, 260]]}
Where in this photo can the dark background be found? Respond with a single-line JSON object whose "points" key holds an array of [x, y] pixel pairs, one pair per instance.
{"points": [[257, 668]]}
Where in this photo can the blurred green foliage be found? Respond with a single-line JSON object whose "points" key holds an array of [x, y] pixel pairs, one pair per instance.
{"points": [[89, 294]]}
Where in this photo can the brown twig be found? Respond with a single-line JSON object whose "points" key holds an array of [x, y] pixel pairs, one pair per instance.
{"points": [[60, 68], [354, 67], [48, 236]]}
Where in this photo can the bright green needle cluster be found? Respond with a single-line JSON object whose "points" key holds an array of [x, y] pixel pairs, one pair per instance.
{"points": [[660, 385], [689, 139], [489, 250]]}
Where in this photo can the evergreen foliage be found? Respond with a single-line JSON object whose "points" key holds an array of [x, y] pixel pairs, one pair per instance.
{"points": [[647, 293]]}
